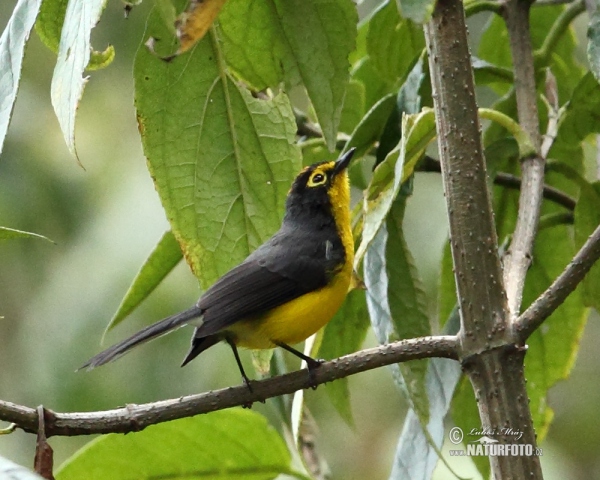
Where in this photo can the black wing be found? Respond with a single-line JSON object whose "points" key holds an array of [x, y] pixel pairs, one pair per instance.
{"points": [[278, 272]]}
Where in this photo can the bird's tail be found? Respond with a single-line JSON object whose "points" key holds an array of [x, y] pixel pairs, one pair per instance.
{"points": [[151, 332]]}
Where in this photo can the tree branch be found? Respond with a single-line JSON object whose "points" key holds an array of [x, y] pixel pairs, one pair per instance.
{"points": [[488, 354], [132, 418], [472, 231], [518, 257], [564, 284], [510, 181]]}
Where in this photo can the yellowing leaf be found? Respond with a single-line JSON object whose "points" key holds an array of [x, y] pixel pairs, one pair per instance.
{"points": [[193, 24]]}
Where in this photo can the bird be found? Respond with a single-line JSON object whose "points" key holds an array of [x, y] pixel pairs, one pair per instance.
{"points": [[283, 292]]}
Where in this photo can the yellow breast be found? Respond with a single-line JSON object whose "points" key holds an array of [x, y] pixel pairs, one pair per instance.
{"points": [[297, 320]]}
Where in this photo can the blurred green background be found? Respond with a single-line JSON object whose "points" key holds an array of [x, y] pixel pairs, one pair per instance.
{"points": [[56, 299]]}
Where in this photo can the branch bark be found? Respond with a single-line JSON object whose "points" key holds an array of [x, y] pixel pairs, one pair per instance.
{"points": [[132, 418], [472, 231], [518, 257], [489, 354]]}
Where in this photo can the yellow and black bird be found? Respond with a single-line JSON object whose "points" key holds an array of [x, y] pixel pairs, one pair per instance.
{"points": [[287, 289]]}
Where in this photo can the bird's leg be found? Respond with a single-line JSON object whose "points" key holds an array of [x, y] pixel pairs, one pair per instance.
{"points": [[239, 364], [311, 363]]}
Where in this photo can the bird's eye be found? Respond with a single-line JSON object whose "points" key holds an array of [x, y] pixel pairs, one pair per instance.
{"points": [[317, 179]]}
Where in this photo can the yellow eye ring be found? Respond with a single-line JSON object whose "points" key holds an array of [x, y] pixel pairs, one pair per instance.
{"points": [[317, 179]]}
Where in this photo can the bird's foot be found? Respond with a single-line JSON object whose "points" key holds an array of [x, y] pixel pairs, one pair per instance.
{"points": [[312, 366]]}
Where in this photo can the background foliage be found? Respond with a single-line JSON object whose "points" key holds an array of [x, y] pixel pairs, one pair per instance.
{"points": [[57, 299]]}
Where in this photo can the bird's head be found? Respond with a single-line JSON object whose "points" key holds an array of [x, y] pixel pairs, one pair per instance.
{"points": [[322, 185]]}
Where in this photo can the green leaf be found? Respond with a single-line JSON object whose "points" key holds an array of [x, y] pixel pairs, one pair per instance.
{"points": [[417, 132], [587, 219], [418, 11], [415, 456], [375, 87], [12, 471], [494, 48], [99, 60], [254, 43], [408, 101], [593, 46], [73, 58], [10, 233], [321, 53], [447, 287], [360, 51], [50, 21], [580, 120], [466, 417], [292, 40], [370, 128], [553, 347], [229, 444], [12, 48], [354, 106], [165, 256], [345, 334], [222, 160], [393, 43], [49, 26], [397, 303]]}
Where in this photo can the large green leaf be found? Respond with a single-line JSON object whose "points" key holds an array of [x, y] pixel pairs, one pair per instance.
{"points": [[494, 48], [415, 456], [233, 444], [393, 43], [580, 120], [370, 128], [418, 131], [407, 102], [344, 334], [12, 48], [162, 260], [354, 106], [587, 219], [397, 303], [553, 347], [266, 42], [376, 88], [222, 160], [74, 54]]}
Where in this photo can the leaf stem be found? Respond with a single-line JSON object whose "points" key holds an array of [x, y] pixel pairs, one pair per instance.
{"points": [[526, 146], [559, 27], [478, 6]]}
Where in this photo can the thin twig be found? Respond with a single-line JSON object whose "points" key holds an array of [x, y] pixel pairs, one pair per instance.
{"points": [[557, 293], [518, 256], [429, 164], [133, 418], [550, 193]]}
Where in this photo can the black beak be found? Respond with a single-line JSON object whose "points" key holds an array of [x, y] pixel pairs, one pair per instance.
{"points": [[342, 163]]}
